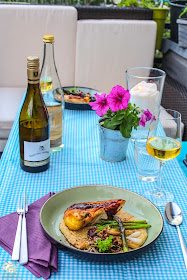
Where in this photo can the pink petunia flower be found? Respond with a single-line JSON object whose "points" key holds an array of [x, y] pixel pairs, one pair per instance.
{"points": [[148, 115], [101, 104], [118, 98], [143, 120], [145, 117]]}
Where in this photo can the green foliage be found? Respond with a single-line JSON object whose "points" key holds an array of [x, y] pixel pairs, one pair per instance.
{"points": [[128, 3], [135, 3], [142, 4], [123, 120], [183, 12], [104, 245]]}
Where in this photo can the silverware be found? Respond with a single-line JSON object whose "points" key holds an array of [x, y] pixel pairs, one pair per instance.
{"points": [[173, 216], [24, 248], [16, 248]]}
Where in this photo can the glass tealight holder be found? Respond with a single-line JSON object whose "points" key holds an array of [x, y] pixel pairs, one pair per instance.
{"points": [[145, 85]]}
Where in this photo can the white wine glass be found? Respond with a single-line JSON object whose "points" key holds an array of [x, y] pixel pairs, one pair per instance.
{"points": [[163, 143]]}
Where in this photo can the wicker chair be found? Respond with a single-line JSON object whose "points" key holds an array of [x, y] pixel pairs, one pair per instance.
{"points": [[175, 97], [98, 12]]}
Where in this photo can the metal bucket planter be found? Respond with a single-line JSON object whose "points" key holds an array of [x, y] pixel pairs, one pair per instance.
{"points": [[113, 146], [182, 32]]}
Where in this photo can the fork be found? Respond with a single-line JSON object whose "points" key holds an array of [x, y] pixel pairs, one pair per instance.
{"points": [[24, 248], [20, 250], [16, 248]]}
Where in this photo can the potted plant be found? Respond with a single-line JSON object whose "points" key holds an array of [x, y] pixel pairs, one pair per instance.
{"points": [[182, 30], [118, 118], [176, 8], [160, 13]]}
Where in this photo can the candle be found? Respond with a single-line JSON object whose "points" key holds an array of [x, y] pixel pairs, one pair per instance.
{"points": [[146, 96]]}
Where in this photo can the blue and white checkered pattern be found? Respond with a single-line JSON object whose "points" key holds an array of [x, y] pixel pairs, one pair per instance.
{"points": [[79, 164]]}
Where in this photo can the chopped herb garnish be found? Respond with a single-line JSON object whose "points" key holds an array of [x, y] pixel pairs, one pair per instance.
{"points": [[104, 245]]}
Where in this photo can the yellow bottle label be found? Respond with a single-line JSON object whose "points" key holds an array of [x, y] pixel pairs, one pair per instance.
{"points": [[55, 117]]}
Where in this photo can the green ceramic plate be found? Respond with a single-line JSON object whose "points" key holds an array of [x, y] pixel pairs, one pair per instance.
{"points": [[54, 208]]}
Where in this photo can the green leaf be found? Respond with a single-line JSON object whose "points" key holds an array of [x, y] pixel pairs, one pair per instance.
{"points": [[116, 120], [108, 124], [125, 130], [184, 11]]}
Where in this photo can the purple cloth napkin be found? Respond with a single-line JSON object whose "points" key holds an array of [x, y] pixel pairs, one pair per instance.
{"points": [[43, 255]]}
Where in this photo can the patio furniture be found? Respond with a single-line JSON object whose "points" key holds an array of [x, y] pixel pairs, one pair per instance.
{"points": [[175, 97], [91, 53], [104, 12]]}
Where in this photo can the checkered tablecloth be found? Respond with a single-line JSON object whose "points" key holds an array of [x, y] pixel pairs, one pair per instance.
{"points": [[79, 164]]}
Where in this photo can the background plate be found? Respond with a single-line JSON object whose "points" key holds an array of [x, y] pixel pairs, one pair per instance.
{"points": [[74, 106], [54, 208]]}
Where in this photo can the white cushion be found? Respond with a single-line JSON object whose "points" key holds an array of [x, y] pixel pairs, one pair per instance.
{"points": [[2, 145], [106, 48], [10, 101], [22, 28], [5, 128], [170, 126]]}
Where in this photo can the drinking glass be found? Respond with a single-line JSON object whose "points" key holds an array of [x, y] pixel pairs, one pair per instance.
{"points": [[145, 85], [163, 144], [147, 166]]}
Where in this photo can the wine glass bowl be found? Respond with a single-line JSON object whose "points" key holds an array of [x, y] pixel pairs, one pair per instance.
{"points": [[163, 144]]}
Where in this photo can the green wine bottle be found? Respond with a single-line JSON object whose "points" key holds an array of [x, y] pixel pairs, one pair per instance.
{"points": [[34, 132]]}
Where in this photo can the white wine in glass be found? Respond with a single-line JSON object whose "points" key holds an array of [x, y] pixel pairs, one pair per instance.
{"points": [[163, 148], [164, 145]]}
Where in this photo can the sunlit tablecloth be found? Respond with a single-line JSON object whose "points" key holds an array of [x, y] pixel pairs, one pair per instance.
{"points": [[79, 164]]}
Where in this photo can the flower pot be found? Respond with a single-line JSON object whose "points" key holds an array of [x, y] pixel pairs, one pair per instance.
{"points": [[160, 15], [176, 9], [182, 32], [113, 146]]}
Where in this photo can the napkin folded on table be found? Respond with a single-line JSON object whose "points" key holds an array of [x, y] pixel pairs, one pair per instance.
{"points": [[43, 255]]}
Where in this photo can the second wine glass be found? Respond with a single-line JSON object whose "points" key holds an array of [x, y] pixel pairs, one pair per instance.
{"points": [[163, 144]]}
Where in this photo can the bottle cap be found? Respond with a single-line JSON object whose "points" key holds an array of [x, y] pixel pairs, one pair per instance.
{"points": [[33, 69], [48, 39], [33, 62]]}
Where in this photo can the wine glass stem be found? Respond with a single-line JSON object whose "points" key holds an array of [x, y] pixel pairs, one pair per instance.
{"points": [[159, 191]]}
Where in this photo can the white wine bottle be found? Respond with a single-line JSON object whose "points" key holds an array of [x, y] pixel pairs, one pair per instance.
{"points": [[53, 95], [34, 133]]}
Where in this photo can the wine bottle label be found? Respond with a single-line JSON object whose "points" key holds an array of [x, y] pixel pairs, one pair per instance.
{"points": [[36, 151], [36, 163], [33, 76]]}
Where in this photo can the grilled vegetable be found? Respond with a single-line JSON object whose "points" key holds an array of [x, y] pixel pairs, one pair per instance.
{"points": [[123, 236]]}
